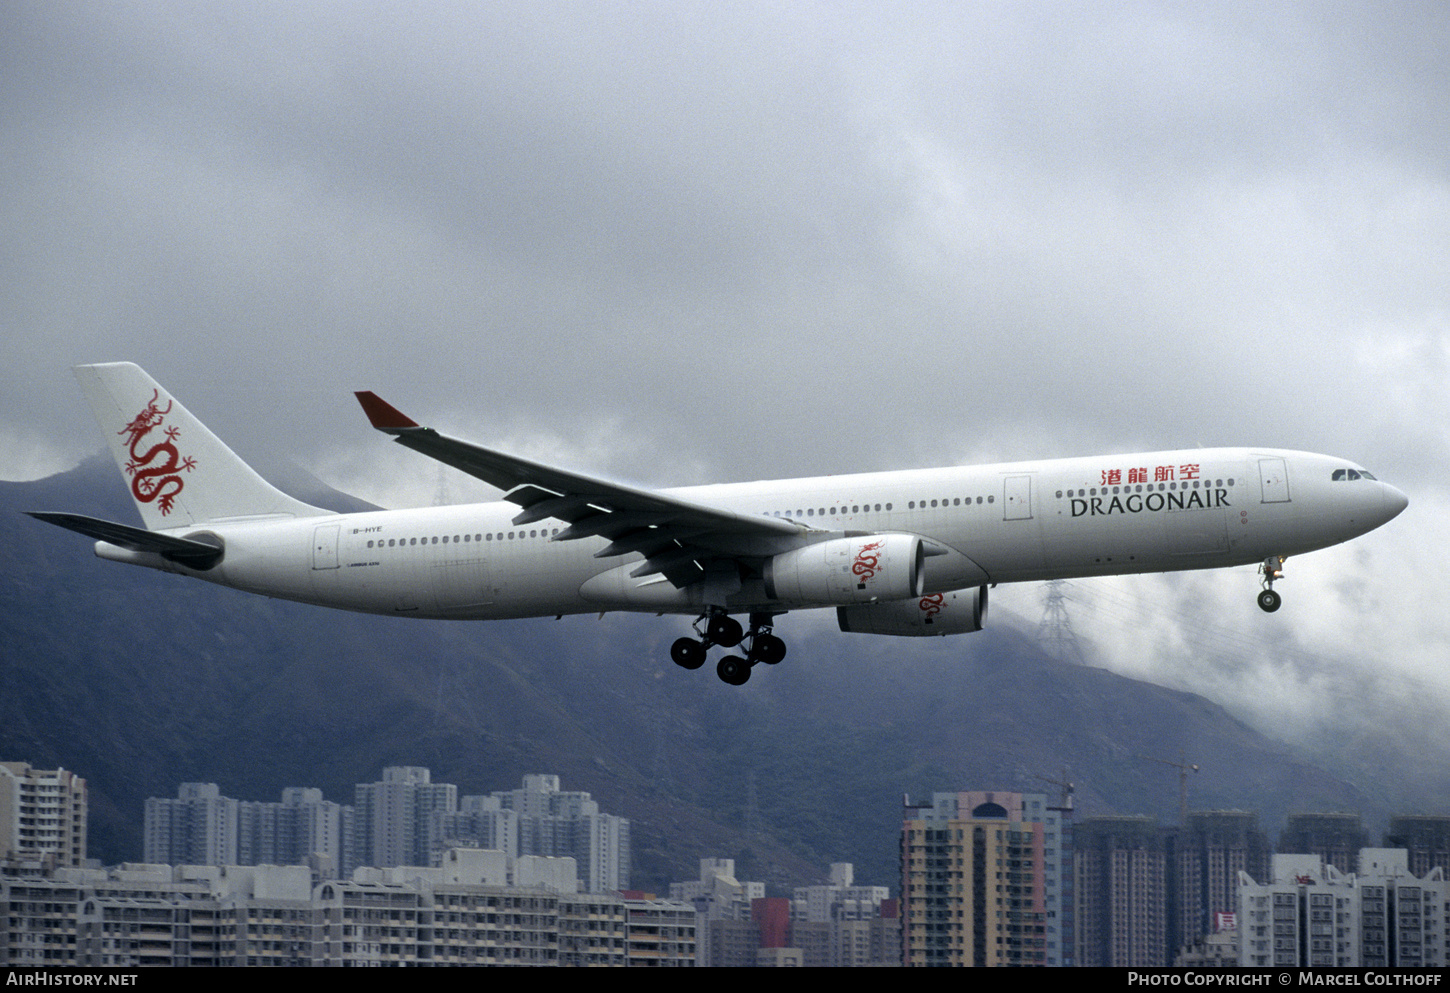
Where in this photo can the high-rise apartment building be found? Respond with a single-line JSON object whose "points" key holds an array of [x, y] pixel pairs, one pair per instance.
{"points": [[196, 827], [1207, 856], [199, 826], [1336, 838], [397, 821], [481, 822], [303, 829], [1121, 892], [974, 879], [1308, 913], [42, 815], [1426, 839], [554, 822]]}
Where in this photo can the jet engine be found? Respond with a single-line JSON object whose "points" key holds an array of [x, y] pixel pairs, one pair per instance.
{"points": [[958, 612], [848, 570]]}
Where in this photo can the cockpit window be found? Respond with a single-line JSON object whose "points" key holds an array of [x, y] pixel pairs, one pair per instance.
{"points": [[1341, 475], [1366, 475], [1338, 475]]}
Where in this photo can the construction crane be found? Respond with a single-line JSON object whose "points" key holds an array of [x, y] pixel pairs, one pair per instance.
{"points": [[1184, 768], [1065, 785]]}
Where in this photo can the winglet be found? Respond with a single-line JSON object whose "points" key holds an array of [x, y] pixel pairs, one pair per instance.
{"points": [[384, 416]]}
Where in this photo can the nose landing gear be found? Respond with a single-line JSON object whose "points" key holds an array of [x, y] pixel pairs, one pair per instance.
{"points": [[721, 629], [1271, 568]]}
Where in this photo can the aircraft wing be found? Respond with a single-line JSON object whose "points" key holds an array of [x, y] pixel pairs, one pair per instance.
{"points": [[680, 540]]}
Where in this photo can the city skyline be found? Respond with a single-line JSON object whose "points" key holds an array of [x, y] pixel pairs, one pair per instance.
{"points": [[1105, 891]]}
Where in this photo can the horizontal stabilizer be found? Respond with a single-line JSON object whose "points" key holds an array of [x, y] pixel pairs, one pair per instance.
{"points": [[196, 554]]}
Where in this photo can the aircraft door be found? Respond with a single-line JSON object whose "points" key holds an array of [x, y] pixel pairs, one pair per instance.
{"points": [[324, 546], [1274, 480], [1017, 498]]}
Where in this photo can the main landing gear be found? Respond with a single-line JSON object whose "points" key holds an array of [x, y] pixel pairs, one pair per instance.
{"points": [[723, 630], [1271, 568]]}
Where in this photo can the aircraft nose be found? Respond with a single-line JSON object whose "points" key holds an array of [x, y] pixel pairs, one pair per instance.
{"points": [[1393, 501]]}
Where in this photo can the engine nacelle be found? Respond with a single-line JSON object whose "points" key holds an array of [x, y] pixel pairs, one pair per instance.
{"points": [[848, 570], [958, 612]]}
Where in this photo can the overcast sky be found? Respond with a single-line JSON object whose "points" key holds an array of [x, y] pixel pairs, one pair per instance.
{"points": [[683, 242]]}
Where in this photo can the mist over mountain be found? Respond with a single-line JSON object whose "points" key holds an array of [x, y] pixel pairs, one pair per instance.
{"points": [[140, 680]]}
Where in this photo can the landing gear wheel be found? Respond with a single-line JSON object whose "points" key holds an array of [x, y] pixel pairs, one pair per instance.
{"points": [[733, 670], [767, 648], [1269, 601], [687, 653], [725, 630]]}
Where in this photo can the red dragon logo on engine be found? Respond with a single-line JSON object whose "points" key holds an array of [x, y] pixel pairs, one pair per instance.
{"points": [[154, 471], [931, 606], [865, 565]]}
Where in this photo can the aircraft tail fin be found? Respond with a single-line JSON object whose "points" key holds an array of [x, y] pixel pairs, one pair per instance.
{"points": [[178, 472]]}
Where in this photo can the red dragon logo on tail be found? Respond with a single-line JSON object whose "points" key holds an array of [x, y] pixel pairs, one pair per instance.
{"points": [[155, 471]]}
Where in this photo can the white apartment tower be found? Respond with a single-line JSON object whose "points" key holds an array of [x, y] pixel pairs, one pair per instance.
{"points": [[1311, 914], [197, 827], [394, 821], [42, 814], [558, 823]]}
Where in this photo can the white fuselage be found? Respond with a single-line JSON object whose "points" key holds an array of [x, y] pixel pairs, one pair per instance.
{"points": [[1164, 511]]}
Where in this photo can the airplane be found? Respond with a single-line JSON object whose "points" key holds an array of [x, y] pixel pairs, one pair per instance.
{"points": [[908, 553]]}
